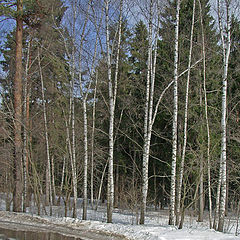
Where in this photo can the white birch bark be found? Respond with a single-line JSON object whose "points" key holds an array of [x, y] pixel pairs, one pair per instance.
{"points": [[72, 147], [25, 152], [53, 181], [46, 135], [216, 213], [206, 118], [118, 54], [63, 174], [71, 119], [97, 26], [226, 46], [201, 192], [85, 188], [100, 187], [93, 134], [147, 121], [85, 123], [175, 120], [178, 201], [112, 92], [110, 184], [94, 110]]}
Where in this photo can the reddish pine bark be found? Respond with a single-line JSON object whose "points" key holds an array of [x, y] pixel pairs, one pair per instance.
{"points": [[17, 194]]}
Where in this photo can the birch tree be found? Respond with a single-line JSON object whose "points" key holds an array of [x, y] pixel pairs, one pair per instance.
{"points": [[149, 111], [175, 121], [85, 123], [178, 202], [225, 32], [92, 140], [48, 172], [94, 102], [147, 119], [112, 92], [206, 117], [26, 126], [71, 121]]}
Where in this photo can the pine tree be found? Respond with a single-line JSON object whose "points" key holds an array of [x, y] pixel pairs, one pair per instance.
{"points": [[34, 16]]}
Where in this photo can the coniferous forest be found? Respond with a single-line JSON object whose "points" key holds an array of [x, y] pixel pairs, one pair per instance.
{"points": [[128, 104]]}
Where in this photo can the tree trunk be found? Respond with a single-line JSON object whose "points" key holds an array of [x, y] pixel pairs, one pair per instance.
{"points": [[116, 195], [226, 46], [62, 181], [112, 101], [92, 140], [72, 147], [85, 126], [178, 203], [17, 193], [48, 177], [207, 121], [26, 129], [201, 193], [110, 187], [53, 181], [100, 187], [148, 119], [85, 198], [175, 118]]}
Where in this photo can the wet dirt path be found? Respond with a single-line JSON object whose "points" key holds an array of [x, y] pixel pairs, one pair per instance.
{"points": [[25, 222]]}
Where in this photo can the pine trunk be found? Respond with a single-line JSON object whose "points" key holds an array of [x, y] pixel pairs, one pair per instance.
{"points": [[18, 187]]}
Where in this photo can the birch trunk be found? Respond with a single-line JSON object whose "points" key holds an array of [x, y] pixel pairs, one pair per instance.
{"points": [[216, 214], [62, 179], [175, 120], [73, 158], [72, 147], [206, 118], [85, 198], [93, 134], [25, 129], [178, 202], [147, 122], [53, 181], [100, 187], [17, 193], [46, 135], [201, 193], [112, 92], [94, 108], [226, 54], [85, 126], [110, 184]]}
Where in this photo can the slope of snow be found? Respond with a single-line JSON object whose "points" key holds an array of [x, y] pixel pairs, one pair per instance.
{"points": [[124, 224]]}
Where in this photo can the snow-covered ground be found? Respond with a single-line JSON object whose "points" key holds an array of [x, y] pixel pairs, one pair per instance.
{"points": [[123, 226]]}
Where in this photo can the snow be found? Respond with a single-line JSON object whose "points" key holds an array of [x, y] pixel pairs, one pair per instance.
{"points": [[124, 224]]}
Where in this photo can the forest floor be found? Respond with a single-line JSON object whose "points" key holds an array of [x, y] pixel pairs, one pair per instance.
{"points": [[123, 227]]}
